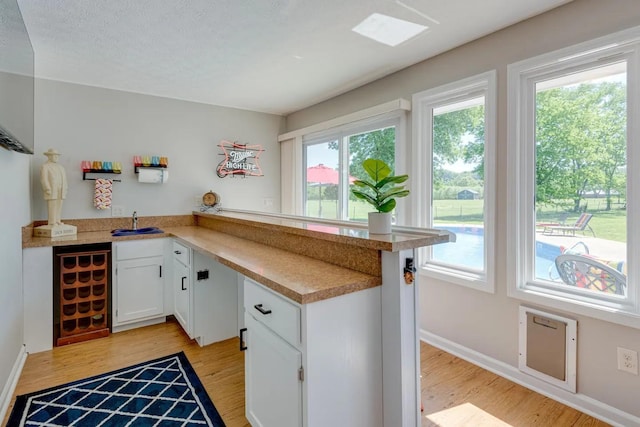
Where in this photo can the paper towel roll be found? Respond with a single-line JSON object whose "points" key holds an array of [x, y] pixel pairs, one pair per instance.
{"points": [[153, 176]]}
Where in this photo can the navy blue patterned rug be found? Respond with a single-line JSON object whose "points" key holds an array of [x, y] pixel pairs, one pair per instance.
{"points": [[163, 392]]}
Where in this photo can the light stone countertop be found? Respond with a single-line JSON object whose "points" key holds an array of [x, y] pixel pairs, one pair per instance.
{"points": [[352, 233], [98, 230], [298, 277], [302, 260]]}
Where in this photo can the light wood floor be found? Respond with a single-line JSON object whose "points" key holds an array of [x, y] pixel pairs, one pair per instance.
{"points": [[455, 393]]}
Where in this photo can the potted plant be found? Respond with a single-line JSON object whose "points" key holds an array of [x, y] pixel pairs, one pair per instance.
{"points": [[380, 191]]}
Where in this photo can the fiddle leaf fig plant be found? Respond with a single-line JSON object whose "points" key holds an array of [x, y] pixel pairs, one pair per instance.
{"points": [[381, 190]]}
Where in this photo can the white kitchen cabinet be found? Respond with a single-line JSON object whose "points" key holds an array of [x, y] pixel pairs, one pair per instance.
{"points": [[182, 288], [37, 277], [205, 295], [215, 300], [272, 370], [138, 285], [315, 364], [273, 362]]}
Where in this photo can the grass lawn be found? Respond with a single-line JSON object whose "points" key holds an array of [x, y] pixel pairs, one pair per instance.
{"points": [[610, 225], [358, 210]]}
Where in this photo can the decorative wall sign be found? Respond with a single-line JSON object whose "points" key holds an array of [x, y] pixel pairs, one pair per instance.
{"points": [[239, 159]]}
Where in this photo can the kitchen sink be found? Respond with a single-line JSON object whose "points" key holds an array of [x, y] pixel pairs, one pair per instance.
{"points": [[132, 232]]}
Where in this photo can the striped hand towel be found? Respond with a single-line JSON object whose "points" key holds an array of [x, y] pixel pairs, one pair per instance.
{"points": [[103, 192]]}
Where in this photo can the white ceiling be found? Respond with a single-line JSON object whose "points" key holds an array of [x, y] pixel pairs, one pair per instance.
{"points": [[273, 56]]}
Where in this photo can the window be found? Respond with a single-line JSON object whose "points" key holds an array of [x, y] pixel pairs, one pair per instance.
{"points": [[454, 139], [571, 191], [333, 159]]}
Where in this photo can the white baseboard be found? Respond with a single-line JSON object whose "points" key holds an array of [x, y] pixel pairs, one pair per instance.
{"points": [[578, 401], [139, 324], [12, 382]]}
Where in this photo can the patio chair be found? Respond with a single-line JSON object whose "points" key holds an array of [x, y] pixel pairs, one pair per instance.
{"points": [[581, 224], [578, 248], [589, 273]]}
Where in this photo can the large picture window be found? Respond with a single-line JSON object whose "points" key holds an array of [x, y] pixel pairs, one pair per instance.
{"points": [[571, 187], [454, 138], [333, 160]]}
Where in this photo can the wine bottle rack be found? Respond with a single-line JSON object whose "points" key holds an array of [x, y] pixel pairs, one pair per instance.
{"points": [[83, 296]]}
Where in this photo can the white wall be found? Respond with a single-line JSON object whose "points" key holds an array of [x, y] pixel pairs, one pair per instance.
{"points": [[14, 214], [88, 123], [487, 324], [16, 108]]}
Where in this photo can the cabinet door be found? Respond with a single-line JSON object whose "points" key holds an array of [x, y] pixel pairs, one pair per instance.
{"points": [[140, 289], [272, 385], [214, 301], [37, 277], [181, 295]]}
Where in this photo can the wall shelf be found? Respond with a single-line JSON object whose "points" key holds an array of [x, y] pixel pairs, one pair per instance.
{"points": [[150, 162], [101, 171]]}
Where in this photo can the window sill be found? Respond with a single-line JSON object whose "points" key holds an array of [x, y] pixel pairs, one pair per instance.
{"points": [[476, 281]]}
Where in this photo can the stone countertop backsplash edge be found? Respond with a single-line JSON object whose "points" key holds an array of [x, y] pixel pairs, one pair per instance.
{"points": [[98, 230]]}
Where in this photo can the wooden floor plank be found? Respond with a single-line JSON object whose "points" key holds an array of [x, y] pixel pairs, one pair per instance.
{"points": [[455, 393], [219, 366]]}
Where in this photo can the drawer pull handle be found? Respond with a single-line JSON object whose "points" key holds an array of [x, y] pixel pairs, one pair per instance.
{"points": [[261, 310], [177, 252], [243, 346], [183, 279]]}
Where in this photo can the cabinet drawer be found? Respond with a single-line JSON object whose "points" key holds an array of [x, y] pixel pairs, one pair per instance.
{"points": [[181, 253], [279, 315], [140, 249]]}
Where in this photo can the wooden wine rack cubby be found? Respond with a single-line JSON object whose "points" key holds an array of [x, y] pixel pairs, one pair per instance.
{"points": [[83, 296]]}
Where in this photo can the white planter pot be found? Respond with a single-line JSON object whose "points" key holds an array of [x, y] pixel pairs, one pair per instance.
{"points": [[380, 222]]}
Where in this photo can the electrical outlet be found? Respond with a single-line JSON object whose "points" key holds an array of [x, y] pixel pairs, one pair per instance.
{"points": [[117, 210], [628, 360]]}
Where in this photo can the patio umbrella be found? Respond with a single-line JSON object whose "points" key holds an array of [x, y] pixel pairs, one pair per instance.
{"points": [[322, 175]]}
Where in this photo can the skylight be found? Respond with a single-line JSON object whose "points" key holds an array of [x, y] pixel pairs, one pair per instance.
{"points": [[387, 30]]}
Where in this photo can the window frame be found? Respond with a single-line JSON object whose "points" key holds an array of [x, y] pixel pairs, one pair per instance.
{"points": [[395, 119], [424, 103], [522, 77]]}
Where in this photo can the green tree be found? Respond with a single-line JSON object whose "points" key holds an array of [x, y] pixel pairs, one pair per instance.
{"points": [[377, 144], [330, 192], [612, 137], [458, 135], [466, 179], [580, 140]]}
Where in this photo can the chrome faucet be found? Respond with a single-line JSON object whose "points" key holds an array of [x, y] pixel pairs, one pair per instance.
{"points": [[134, 221]]}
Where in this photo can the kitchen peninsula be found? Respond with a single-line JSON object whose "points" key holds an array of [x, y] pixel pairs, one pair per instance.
{"points": [[349, 318]]}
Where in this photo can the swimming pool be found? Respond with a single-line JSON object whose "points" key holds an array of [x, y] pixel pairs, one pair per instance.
{"points": [[468, 251]]}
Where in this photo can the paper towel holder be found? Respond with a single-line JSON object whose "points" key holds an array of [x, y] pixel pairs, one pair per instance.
{"points": [[153, 175], [151, 163], [137, 168]]}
